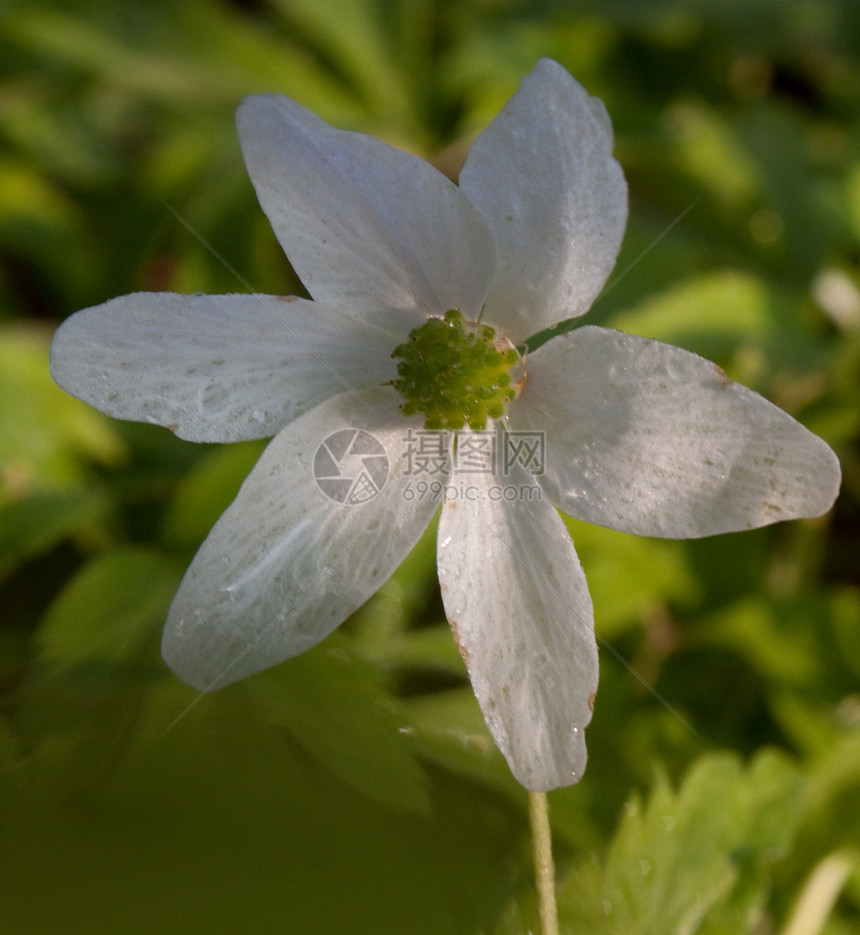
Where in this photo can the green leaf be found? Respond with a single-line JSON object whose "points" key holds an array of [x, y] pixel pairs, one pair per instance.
{"points": [[337, 707], [685, 856], [44, 433], [351, 35], [96, 655], [206, 491], [655, 572], [447, 728], [218, 821], [709, 149], [74, 41], [33, 525], [28, 200], [108, 612], [711, 311]]}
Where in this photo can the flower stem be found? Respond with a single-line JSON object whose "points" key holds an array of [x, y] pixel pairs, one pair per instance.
{"points": [[820, 893], [544, 867]]}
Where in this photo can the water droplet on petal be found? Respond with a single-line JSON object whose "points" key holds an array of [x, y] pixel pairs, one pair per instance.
{"points": [[618, 374], [456, 603], [231, 593], [259, 415], [714, 469]]}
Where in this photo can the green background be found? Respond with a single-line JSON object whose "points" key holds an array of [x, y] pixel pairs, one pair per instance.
{"points": [[355, 789]]}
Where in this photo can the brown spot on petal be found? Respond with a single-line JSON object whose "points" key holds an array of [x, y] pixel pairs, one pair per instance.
{"points": [[522, 383], [173, 427], [725, 382], [455, 632], [591, 699]]}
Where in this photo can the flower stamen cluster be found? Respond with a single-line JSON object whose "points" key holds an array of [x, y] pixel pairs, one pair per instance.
{"points": [[455, 372]]}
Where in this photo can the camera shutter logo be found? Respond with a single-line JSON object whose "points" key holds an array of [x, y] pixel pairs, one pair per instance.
{"points": [[351, 466]]}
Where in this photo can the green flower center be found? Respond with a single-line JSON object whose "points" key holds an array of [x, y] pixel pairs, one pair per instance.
{"points": [[455, 372]]}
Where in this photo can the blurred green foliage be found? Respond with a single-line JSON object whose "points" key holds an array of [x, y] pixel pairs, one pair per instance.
{"points": [[355, 789]]}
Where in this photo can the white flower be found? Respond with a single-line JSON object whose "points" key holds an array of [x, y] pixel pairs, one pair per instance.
{"points": [[640, 436]]}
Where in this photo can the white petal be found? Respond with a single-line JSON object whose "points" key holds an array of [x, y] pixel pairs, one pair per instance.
{"points": [[365, 225], [651, 439], [519, 608], [216, 368], [543, 176], [286, 564]]}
